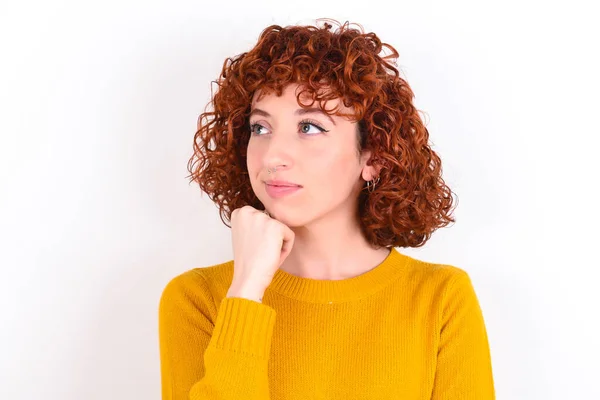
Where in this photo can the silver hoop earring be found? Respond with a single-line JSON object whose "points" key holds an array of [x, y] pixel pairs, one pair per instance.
{"points": [[371, 184]]}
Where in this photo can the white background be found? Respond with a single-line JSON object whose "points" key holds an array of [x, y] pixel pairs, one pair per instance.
{"points": [[98, 106]]}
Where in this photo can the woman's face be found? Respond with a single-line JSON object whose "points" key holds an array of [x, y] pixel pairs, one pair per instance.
{"points": [[310, 149]]}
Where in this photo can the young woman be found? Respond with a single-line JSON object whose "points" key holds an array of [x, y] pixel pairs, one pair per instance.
{"points": [[316, 155]]}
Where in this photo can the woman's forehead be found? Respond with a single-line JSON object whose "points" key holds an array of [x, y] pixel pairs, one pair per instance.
{"points": [[290, 92]]}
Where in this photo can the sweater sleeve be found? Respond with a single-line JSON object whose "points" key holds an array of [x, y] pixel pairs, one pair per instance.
{"points": [[464, 368], [204, 358]]}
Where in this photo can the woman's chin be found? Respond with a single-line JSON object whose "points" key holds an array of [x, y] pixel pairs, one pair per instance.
{"points": [[286, 218]]}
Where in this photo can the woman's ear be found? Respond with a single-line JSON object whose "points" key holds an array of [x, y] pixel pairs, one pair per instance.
{"points": [[369, 172]]}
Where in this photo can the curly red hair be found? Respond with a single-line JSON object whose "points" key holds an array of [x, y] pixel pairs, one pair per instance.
{"points": [[411, 199]]}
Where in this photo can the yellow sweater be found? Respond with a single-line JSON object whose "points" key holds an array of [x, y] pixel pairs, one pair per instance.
{"points": [[406, 329]]}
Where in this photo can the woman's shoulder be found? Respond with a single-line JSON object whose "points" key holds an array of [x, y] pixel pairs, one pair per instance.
{"points": [[217, 276], [208, 281], [435, 274]]}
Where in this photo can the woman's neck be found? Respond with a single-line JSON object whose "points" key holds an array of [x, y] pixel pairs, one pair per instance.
{"points": [[326, 254]]}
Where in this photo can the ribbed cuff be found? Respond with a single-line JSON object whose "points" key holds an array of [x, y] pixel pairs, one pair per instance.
{"points": [[244, 326]]}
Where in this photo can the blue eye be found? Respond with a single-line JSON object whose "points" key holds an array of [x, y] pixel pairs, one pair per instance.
{"points": [[309, 123], [253, 127]]}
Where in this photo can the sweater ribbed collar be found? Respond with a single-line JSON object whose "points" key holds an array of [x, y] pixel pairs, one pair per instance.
{"points": [[335, 291]]}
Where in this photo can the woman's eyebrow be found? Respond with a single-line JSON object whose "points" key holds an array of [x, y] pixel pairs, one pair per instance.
{"points": [[300, 111]]}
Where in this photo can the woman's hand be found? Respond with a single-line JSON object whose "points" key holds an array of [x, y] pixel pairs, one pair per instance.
{"points": [[260, 245]]}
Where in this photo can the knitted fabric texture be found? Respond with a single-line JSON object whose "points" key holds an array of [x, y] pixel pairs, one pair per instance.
{"points": [[406, 329]]}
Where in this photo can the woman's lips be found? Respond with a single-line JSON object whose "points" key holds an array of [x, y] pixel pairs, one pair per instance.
{"points": [[281, 191]]}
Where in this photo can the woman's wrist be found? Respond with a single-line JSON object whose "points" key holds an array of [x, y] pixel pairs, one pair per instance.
{"points": [[247, 291]]}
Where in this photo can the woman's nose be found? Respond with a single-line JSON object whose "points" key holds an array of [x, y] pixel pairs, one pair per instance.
{"points": [[279, 152]]}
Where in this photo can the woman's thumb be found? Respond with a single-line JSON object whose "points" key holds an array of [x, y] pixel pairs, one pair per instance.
{"points": [[288, 243]]}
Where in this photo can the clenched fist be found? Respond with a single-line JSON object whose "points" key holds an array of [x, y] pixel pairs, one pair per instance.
{"points": [[260, 245]]}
